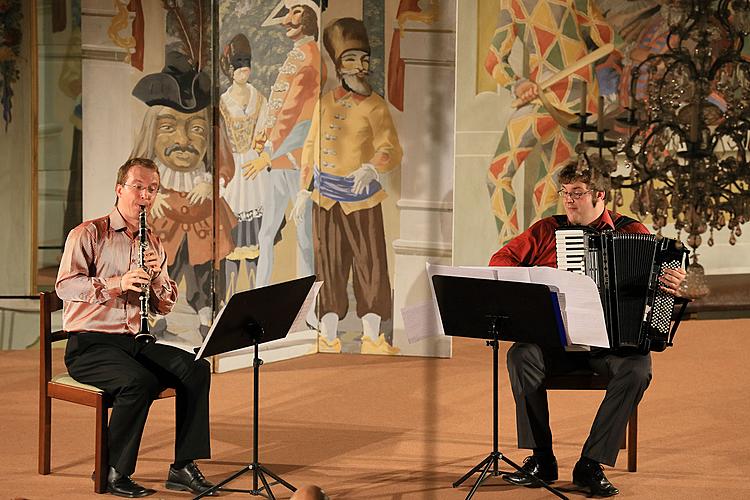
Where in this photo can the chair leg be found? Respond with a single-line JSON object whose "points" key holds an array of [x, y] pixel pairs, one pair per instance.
{"points": [[101, 464], [633, 441], [45, 428]]}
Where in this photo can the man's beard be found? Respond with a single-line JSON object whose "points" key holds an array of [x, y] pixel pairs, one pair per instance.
{"points": [[356, 83]]}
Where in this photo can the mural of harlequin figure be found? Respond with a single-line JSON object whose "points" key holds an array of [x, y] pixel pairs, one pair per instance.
{"points": [[555, 35], [175, 134], [351, 143], [242, 107], [290, 107]]}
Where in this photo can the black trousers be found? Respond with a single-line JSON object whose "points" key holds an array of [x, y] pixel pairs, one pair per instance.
{"points": [[528, 365], [134, 374]]}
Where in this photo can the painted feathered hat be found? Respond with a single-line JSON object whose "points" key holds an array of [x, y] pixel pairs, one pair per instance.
{"points": [[178, 86], [284, 6]]}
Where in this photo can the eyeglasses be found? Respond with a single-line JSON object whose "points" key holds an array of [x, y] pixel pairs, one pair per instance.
{"points": [[573, 195], [138, 187]]}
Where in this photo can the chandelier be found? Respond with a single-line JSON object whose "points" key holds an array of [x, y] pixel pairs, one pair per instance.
{"points": [[688, 122]]}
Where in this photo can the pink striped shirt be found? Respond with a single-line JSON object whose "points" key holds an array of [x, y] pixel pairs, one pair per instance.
{"points": [[97, 253]]}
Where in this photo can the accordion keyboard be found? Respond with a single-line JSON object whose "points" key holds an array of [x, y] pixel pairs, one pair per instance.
{"points": [[571, 250]]}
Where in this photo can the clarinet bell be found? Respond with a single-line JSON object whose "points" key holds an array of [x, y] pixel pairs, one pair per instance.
{"points": [[145, 338]]}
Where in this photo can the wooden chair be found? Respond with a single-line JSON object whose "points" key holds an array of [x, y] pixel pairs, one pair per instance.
{"points": [[588, 380], [62, 386]]}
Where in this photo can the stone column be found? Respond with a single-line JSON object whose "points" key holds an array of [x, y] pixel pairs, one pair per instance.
{"points": [[426, 199]]}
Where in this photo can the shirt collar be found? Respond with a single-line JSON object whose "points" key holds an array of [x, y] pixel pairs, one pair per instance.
{"points": [[340, 93], [305, 39], [116, 221], [604, 221]]}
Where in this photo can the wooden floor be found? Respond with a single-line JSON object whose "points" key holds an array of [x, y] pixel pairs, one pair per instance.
{"points": [[370, 427]]}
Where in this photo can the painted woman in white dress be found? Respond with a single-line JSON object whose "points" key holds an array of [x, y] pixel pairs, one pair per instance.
{"points": [[242, 106]]}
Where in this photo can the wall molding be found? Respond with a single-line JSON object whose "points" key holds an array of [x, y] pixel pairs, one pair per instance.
{"points": [[416, 204], [422, 248]]}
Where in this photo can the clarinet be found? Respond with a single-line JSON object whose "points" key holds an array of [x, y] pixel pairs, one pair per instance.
{"points": [[144, 335]]}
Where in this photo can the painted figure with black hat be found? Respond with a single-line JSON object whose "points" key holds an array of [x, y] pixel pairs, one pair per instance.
{"points": [[175, 134], [290, 107], [351, 144], [243, 111]]}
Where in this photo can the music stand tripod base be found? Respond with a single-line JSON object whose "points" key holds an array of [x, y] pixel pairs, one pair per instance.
{"points": [[473, 307], [250, 318]]}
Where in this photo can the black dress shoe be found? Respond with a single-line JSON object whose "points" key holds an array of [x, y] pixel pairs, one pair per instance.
{"points": [[543, 468], [590, 476], [122, 486], [189, 478]]}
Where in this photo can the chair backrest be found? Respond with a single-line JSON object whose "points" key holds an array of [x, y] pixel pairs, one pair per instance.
{"points": [[49, 302]]}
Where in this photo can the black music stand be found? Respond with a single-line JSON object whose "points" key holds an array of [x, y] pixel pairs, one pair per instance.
{"points": [[477, 308], [248, 319]]}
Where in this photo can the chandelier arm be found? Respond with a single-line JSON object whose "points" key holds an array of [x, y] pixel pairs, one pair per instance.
{"points": [[733, 55], [722, 14]]}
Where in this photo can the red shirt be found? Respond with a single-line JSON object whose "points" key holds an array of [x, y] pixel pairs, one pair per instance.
{"points": [[536, 245]]}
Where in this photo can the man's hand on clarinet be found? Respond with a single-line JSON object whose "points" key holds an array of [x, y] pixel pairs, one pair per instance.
{"points": [[671, 281], [134, 280], [151, 260]]}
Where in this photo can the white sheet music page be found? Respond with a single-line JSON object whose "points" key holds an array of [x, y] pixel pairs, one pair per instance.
{"points": [[210, 333], [300, 324], [421, 321], [582, 305], [431, 308]]}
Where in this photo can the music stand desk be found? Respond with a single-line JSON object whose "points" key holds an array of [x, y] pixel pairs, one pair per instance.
{"points": [[248, 319], [496, 310]]}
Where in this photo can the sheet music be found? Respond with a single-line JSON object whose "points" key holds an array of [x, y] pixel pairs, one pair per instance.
{"points": [[300, 324], [421, 321], [487, 273], [578, 295], [210, 333], [580, 302]]}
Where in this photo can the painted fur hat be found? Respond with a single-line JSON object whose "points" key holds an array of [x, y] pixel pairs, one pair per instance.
{"points": [[345, 34]]}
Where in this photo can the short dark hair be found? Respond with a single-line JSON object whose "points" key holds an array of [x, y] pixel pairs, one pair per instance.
{"points": [[309, 22], [122, 172], [572, 172]]}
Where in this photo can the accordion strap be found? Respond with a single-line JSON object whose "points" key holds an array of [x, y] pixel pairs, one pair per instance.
{"points": [[620, 222]]}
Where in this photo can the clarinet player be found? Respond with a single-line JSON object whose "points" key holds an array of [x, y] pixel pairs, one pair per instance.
{"points": [[100, 281]]}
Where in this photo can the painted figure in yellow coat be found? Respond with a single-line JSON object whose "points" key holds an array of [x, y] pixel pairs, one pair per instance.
{"points": [[351, 143], [555, 35]]}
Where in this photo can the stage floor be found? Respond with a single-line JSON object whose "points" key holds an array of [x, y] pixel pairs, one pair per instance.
{"points": [[371, 427]]}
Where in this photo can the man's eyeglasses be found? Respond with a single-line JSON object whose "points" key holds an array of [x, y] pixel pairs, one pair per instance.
{"points": [[138, 187], [573, 195]]}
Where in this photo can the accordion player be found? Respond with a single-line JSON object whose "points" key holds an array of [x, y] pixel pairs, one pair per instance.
{"points": [[626, 268]]}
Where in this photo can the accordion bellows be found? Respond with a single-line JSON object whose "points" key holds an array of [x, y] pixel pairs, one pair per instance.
{"points": [[626, 268]]}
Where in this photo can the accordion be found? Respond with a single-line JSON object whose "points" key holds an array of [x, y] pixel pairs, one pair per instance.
{"points": [[626, 268]]}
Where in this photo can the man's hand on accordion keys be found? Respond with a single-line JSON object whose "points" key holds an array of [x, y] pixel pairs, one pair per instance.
{"points": [[672, 279]]}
